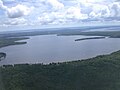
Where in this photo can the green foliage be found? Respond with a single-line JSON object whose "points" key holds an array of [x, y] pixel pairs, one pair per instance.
{"points": [[98, 73]]}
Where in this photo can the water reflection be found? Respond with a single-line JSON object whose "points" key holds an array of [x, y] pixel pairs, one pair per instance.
{"points": [[2, 56]]}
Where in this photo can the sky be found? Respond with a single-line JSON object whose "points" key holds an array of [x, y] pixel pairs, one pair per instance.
{"points": [[37, 13]]}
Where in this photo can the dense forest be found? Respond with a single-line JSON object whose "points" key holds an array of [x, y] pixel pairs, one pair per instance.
{"points": [[98, 73]]}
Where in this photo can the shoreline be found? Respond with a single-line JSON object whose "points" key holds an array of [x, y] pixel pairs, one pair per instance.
{"points": [[56, 63]]}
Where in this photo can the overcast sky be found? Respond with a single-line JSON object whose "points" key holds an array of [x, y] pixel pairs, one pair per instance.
{"points": [[57, 12]]}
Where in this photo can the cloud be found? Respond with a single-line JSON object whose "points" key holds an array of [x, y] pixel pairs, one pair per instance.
{"points": [[87, 10], [55, 4], [45, 19], [75, 13], [2, 6], [69, 15], [18, 11], [60, 11], [115, 9], [99, 11], [118, 0], [8, 0], [16, 21]]}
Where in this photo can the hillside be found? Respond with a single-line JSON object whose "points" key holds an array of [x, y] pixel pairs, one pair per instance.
{"points": [[98, 73]]}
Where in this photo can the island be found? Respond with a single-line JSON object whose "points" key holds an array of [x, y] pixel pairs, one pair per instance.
{"points": [[8, 41], [2, 56], [89, 38]]}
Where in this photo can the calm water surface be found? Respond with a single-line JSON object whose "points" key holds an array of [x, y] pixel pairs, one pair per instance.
{"points": [[52, 48]]}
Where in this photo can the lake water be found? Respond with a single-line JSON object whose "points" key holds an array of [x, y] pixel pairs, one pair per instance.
{"points": [[52, 48]]}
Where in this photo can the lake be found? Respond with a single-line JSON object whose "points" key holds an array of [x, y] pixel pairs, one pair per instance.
{"points": [[53, 48]]}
